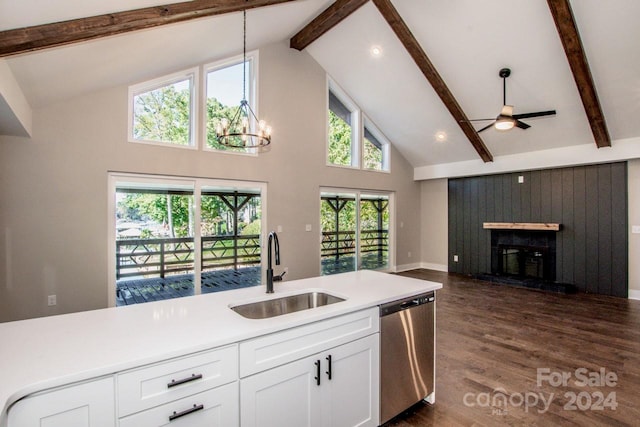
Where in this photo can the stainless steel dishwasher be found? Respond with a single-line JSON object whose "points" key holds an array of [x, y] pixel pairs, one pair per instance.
{"points": [[406, 353]]}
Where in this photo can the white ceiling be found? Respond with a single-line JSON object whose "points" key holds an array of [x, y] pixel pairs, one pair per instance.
{"points": [[468, 41]]}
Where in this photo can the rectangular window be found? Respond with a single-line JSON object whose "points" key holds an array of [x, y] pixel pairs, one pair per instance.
{"points": [[224, 88], [375, 150], [342, 148], [162, 111]]}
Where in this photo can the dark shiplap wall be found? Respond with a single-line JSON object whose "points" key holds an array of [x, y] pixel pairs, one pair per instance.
{"points": [[589, 201]]}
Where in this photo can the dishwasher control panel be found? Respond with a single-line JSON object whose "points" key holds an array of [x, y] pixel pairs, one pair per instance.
{"points": [[403, 304]]}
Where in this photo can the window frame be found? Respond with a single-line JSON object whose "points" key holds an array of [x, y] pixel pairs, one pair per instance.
{"points": [[253, 60], [356, 125], [367, 124], [192, 74]]}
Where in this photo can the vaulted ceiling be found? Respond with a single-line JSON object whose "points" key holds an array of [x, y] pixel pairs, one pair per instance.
{"points": [[464, 43]]}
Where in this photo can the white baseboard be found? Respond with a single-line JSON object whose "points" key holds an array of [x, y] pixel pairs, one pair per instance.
{"points": [[634, 294], [432, 266], [407, 267], [416, 265]]}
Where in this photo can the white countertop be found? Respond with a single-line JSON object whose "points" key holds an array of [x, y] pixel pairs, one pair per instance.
{"points": [[42, 353]]}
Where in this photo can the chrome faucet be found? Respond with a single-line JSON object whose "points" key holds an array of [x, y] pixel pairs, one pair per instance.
{"points": [[273, 238]]}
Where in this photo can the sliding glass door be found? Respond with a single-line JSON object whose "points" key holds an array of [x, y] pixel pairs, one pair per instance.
{"points": [[176, 237], [355, 231]]}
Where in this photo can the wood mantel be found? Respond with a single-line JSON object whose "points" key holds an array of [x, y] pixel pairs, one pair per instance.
{"points": [[539, 226]]}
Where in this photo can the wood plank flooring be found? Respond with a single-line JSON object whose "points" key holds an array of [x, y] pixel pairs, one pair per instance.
{"points": [[492, 339]]}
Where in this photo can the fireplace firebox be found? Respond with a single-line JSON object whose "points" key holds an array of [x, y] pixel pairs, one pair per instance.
{"points": [[524, 254]]}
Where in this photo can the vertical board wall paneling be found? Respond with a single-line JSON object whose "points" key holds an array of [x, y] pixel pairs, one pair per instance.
{"points": [[475, 224], [591, 223], [466, 237], [534, 189], [580, 229], [605, 191], [453, 219], [589, 201], [483, 236], [556, 216], [568, 226], [619, 236]]}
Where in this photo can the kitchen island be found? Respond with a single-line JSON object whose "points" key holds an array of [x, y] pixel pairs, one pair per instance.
{"points": [[113, 346]]}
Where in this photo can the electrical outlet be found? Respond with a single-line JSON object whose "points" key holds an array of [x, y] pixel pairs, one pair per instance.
{"points": [[635, 229], [409, 255], [307, 227], [51, 300], [521, 179], [279, 228], [455, 258]]}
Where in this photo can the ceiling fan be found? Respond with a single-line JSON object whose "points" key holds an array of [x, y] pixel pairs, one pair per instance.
{"points": [[506, 119]]}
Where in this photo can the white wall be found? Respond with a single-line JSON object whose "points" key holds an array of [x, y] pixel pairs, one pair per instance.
{"points": [[53, 210], [633, 176], [435, 224]]}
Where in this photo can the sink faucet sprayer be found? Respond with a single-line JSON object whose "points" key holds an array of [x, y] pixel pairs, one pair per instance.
{"points": [[273, 237]]}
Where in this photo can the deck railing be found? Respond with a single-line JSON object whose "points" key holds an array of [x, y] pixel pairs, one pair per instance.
{"points": [[341, 243], [164, 256]]}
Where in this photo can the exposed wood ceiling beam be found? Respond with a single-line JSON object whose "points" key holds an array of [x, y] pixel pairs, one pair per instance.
{"points": [[420, 57], [21, 40], [568, 31], [322, 23]]}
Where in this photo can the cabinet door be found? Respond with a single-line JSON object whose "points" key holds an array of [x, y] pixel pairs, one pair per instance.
{"points": [[89, 404], [284, 396], [352, 396], [212, 408]]}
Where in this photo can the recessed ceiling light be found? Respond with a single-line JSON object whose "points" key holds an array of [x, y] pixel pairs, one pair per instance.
{"points": [[376, 51], [441, 136]]}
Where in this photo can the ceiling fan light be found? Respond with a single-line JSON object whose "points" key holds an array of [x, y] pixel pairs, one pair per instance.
{"points": [[505, 123]]}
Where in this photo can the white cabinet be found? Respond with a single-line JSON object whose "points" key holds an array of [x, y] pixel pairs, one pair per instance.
{"points": [[213, 408], [192, 391], [352, 395], [153, 385], [336, 387], [89, 404]]}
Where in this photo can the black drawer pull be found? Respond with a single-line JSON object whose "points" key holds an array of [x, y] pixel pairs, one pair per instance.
{"points": [[193, 377], [177, 415], [329, 371], [317, 377]]}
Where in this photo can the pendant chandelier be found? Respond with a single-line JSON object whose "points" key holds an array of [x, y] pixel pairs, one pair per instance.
{"points": [[244, 130]]}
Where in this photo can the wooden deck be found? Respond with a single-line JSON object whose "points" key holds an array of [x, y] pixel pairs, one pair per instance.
{"points": [[136, 291], [176, 286]]}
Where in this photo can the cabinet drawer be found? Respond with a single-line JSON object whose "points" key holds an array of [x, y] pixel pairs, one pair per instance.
{"points": [[212, 408], [164, 382], [272, 350]]}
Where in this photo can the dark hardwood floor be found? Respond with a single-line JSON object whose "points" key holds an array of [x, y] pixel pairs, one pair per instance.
{"points": [[492, 340]]}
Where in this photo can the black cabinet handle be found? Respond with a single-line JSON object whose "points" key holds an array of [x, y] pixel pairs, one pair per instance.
{"points": [[177, 415], [193, 377], [317, 377], [329, 371]]}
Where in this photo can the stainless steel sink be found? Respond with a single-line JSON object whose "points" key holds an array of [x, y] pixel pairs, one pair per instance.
{"points": [[290, 304]]}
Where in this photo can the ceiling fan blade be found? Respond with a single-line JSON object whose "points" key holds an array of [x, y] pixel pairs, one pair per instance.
{"points": [[487, 127], [522, 125], [536, 114], [478, 120], [507, 110]]}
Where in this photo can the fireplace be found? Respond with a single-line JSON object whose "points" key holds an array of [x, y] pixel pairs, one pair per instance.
{"points": [[524, 254]]}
